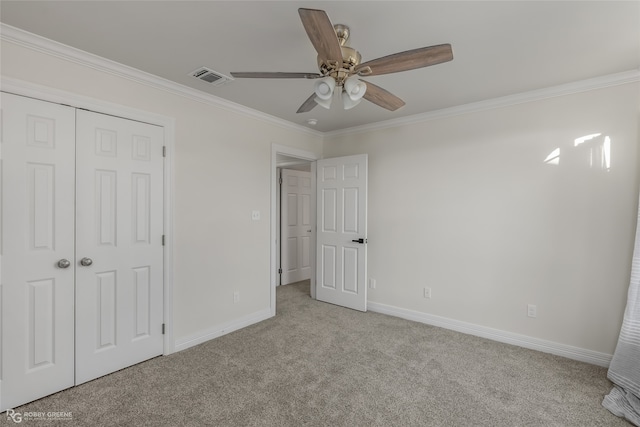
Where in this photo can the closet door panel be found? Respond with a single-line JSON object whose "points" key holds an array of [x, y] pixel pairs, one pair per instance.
{"points": [[38, 140], [119, 229]]}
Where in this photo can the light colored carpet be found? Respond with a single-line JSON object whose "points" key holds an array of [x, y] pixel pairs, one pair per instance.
{"points": [[316, 364]]}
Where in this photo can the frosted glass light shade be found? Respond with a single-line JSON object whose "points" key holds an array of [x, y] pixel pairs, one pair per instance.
{"points": [[324, 88], [325, 103], [355, 88], [349, 103]]}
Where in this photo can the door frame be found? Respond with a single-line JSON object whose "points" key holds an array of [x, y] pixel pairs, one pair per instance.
{"points": [[302, 155], [45, 93]]}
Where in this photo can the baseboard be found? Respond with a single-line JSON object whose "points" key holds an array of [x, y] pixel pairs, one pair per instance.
{"points": [[570, 352], [219, 330]]}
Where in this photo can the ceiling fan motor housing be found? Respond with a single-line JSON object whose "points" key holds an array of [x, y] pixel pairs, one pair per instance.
{"points": [[350, 58]]}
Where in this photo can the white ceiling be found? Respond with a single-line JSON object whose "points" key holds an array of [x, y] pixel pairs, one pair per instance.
{"points": [[500, 48]]}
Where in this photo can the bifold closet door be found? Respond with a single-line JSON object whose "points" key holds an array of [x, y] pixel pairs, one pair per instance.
{"points": [[38, 143], [119, 227], [81, 246]]}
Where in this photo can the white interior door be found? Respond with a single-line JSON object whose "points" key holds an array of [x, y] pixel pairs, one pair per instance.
{"points": [[296, 226], [38, 143], [119, 216], [341, 270]]}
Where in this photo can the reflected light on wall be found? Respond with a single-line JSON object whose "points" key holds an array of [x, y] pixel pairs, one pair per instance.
{"points": [[553, 158], [584, 139], [606, 153]]}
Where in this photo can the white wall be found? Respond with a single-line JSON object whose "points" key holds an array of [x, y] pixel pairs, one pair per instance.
{"points": [[467, 205], [222, 173], [464, 205]]}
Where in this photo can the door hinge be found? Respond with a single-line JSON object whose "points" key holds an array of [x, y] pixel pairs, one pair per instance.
{"points": [[164, 151], [280, 180], [279, 271], [163, 329], [163, 240]]}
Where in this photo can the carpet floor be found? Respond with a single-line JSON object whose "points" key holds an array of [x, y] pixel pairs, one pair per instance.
{"points": [[316, 364]]}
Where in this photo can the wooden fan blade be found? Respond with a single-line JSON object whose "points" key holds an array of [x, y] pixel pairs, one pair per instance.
{"points": [[408, 60], [308, 105], [277, 75], [382, 97], [321, 33]]}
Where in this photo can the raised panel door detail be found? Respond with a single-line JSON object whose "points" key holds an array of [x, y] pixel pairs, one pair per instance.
{"points": [[41, 206], [141, 277], [106, 213], [41, 323], [350, 210], [351, 171], [106, 143], [306, 251], [306, 209], [141, 148], [329, 267], [141, 216], [292, 253], [292, 209], [350, 270], [329, 173], [106, 288], [40, 132], [329, 210]]}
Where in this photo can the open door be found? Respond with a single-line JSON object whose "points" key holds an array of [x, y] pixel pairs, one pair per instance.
{"points": [[341, 268], [296, 227]]}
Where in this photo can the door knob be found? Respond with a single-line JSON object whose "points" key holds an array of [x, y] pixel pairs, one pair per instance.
{"points": [[64, 263], [358, 241], [86, 262]]}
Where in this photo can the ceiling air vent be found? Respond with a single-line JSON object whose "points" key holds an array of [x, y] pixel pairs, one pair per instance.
{"points": [[210, 76]]}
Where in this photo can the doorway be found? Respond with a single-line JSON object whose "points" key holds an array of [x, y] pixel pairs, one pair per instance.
{"points": [[294, 205], [289, 157]]}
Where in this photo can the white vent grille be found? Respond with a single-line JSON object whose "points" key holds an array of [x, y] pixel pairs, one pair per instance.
{"points": [[212, 77]]}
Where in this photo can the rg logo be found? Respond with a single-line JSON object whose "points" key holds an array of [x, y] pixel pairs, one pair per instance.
{"points": [[16, 417]]}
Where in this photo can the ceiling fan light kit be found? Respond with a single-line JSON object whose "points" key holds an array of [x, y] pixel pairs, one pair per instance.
{"points": [[348, 102], [324, 88], [339, 65]]}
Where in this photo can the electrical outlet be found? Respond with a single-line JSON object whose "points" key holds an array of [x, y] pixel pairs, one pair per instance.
{"points": [[532, 310], [372, 283], [255, 215], [427, 292], [236, 297]]}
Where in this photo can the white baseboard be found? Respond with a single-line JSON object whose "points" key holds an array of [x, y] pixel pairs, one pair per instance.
{"points": [[219, 330], [575, 353]]}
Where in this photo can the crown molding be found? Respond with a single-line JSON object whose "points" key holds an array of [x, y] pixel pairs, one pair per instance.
{"points": [[68, 53], [600, 82], [43, 45]]}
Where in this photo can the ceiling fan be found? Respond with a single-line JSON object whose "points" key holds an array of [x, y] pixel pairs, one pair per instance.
{"points": [[340, 66]]}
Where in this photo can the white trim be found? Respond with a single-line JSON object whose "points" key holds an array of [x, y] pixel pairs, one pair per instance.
{"points": [[505, 101], [219, 330], [45, 93], [575, 353], [77, 56], [300, 154]]}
